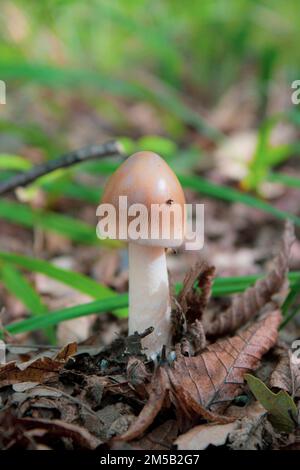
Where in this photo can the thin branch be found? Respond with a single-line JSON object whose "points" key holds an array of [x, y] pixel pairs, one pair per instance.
{"points": [[91, 152]]}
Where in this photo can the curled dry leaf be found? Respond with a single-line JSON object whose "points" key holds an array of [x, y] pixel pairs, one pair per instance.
{"points": [[196, 336], [138, 376], [190, 300], [80, 437], [200, 437], [159, 388], [248, 304], [204, 385], [190, 305], [35, 433], [37, 370], [66, 352], [286, 375]]}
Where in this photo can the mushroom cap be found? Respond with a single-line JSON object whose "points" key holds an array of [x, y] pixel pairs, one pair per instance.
{"points": [[145, 178]]}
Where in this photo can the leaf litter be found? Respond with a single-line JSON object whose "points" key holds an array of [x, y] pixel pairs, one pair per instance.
{"points": [[114, 396]]}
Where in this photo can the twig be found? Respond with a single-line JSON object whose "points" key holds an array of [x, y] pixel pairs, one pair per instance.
{"points": [[91, 152]]}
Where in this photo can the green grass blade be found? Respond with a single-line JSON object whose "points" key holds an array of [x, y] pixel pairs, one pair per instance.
{"points": [[287, 180], [14, 162], [99, 306], [294, 293], [119, 301], [69, 227], [74, 190], [18, 285], [290, 316], [72, 279], [225, 193], [166, 97]]}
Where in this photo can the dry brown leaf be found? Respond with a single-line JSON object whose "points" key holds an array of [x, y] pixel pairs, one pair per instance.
{"points": [[252, 432], [161, 438], [192, 303], [138, 376], [115, 420], [204, 385], [286, 375], [80, 437], [66, 352], [215, 377], [36, 370], [159, 388], [200, 437], [249, 304]]}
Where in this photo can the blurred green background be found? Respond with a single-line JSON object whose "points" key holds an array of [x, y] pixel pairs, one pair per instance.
{"points": [[162, 52]]}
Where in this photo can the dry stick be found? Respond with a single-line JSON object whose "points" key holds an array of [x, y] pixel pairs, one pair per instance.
{"points": [[77, 156]]}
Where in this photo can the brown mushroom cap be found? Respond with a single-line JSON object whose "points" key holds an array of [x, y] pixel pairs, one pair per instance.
{"points": [[145, 178]]}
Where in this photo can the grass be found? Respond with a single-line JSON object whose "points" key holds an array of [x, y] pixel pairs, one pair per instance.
{"points": [[64, 225], [72, 279], [222, 286]]}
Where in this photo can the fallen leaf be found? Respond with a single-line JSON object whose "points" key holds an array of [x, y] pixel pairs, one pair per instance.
{"points": [[80, 437], [161, 438], [216, 376], [36, 370], [252, 410], [138, 376], [66, 352], [204, 385], [286, 375], [249, 304], [280, 406], [35, 433], [159, 388], [200, 437], [115, 420], [191, 301], [188, 308], [252, 433]]}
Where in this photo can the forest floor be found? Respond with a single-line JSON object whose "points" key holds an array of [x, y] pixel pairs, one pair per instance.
{"points": [[100, 391]]}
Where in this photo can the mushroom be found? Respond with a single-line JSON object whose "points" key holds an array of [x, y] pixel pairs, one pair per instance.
{"points": [[145, 178]]}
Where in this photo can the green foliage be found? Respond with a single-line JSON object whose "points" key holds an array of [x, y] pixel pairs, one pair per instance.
{"points": [[167, 39], [14, 162], [18, 285], [208, 188], [70, 278], [66, 226], [280, 406], [284, 179], [108, 300], [266, 157], [291, 306], [98, 306]]}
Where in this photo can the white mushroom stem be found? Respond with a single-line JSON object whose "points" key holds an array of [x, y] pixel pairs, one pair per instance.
{"points": [[149, 297]]}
